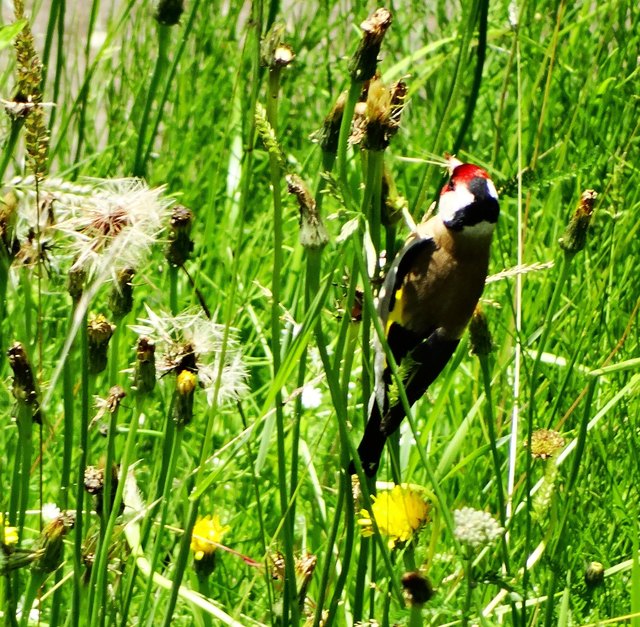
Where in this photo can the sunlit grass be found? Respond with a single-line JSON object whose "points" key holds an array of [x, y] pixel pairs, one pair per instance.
{"points": [[554, 114]]}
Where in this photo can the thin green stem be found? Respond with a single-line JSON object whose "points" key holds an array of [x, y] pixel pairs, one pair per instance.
{"points": [[355, 89], [188, 27], [167, 491], [563, 274], [290, 595], [101, 564], [139, 165], [85, 383]]}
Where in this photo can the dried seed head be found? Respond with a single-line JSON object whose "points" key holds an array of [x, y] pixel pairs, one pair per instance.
{"points": [[145, 369], [416, 588], [24, 384], [93, 480], [313, 234], [99, 330], [168, 12], [76, 281], [575, 237], [330, 132], [479, 334], [364, 62], [50, 550], [180, 244], [121, 295]]}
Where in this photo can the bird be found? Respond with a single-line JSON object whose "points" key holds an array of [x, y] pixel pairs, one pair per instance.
{"points": [[428, 297]]}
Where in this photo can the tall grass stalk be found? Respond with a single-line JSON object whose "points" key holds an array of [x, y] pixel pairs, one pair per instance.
{"points": [[86, 391], [290, 596]]}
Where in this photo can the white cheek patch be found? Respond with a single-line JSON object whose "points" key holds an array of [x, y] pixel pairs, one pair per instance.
{"points": [[491, 188], [454, 201]]}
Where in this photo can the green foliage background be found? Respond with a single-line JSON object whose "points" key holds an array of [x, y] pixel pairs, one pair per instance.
{"points": [[557, 103]]}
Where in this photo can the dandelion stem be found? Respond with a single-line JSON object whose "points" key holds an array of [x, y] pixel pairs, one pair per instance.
{"points": [[290, 595], [485, 367], [139, 166], [102, 559], [166, 500], [563, 274], [86, 384], [167, 88], [355, 89]]}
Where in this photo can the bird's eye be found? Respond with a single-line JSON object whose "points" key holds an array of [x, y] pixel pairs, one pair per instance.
{"points": [[452, 185]]}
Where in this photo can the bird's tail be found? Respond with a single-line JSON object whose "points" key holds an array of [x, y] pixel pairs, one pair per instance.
{"points": [[372, 443]]}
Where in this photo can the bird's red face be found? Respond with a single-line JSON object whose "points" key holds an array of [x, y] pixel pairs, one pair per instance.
{"points": [[469, 200]]}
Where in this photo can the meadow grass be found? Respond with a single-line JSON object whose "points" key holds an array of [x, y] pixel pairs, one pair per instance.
{"points": [[263, 331]]}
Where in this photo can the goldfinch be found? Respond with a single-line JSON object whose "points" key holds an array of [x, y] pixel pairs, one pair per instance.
{"points": [[428, 297]]}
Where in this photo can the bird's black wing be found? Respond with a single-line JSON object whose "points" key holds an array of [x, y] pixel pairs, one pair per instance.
{"points": [[421, 357]]}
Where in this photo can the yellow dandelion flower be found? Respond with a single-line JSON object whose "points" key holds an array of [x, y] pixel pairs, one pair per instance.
{"points": [[207, 534], [10, 537], [398, 512]]}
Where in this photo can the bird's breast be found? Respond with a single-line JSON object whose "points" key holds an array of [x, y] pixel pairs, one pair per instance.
{"points": [[442, 292]]}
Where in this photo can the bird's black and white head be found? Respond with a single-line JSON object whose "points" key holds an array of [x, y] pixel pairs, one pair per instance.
{"points": [[469, 201]]}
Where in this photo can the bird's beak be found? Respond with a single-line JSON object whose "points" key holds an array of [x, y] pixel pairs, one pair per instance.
{"points": [[452, 163]]}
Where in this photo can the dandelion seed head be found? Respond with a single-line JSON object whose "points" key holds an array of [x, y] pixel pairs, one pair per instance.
{"points": [[311, 396], [50, 511], [190, 341], [108, 224], [475, 528]]}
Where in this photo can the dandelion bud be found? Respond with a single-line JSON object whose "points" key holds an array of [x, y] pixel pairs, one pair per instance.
{"points": [[273, 53], [330, 132], [121, 296], [24, 385], [100, 331], [168, 12], [145, 369], [312, 232], [94, 480], [9, 244], [305, 566], [51, 543], [479, 334], [186, 382], [416, 588], [575, 237], [180, 245], [76, 282], [364, 62], [594, 575]]}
